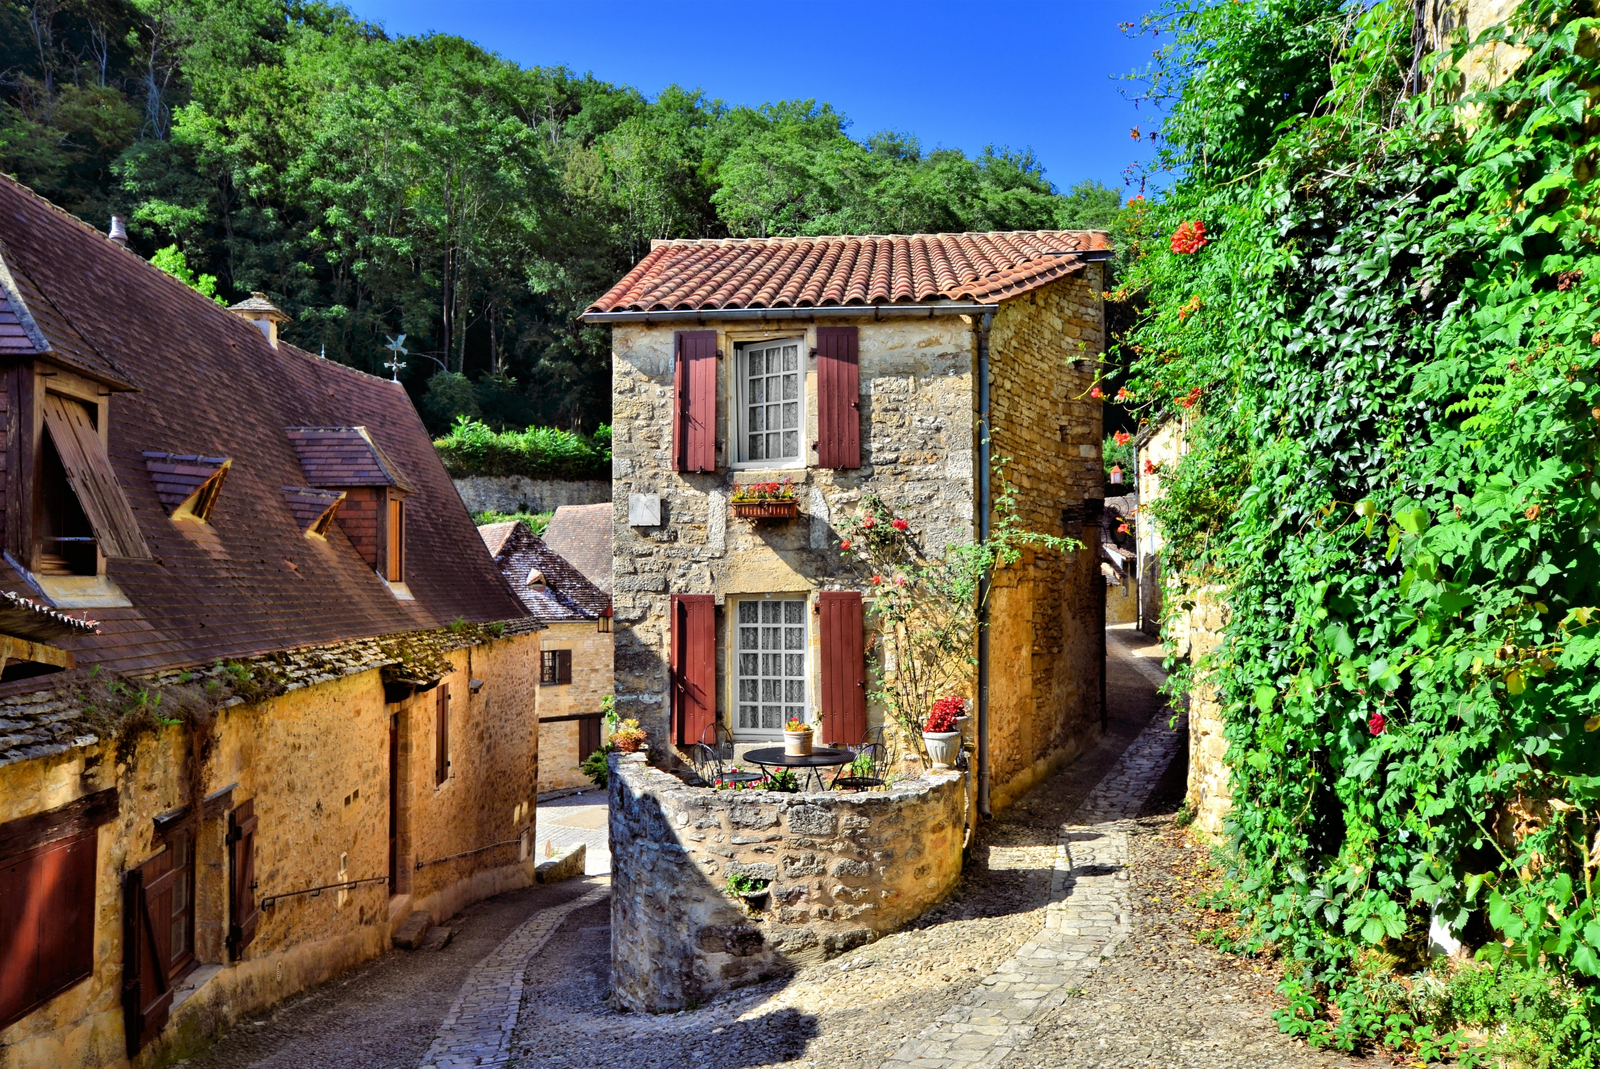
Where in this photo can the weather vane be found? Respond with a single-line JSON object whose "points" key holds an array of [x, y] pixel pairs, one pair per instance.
{"points": [[397, 346]]}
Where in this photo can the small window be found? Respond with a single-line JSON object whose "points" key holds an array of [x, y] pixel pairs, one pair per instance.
{"points": [[181, 919], [771, 411], [441, 768], [770, 649], [67, 542], [555, 667]]}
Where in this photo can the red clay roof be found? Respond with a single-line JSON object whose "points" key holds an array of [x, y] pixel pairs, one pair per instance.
{"points": [[834, 271], [210, 385]]}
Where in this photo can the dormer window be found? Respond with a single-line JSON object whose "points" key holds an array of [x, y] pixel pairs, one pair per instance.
{"points": [[66, 540], [373, 511], [187, 486], [80, 514]]}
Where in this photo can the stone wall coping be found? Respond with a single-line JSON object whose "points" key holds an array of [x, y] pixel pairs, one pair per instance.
{"points": [[634, 768]]}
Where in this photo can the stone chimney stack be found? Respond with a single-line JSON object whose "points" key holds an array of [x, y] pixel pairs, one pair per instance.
{"points": [[118, 231], [263, 313]]}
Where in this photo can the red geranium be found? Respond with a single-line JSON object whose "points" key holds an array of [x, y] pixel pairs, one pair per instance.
{"points": [[899, 525], [869, 521], [844, 544], [877, 579], [942, 715], [1377, 724], [1189, 237], [1096, 394]]}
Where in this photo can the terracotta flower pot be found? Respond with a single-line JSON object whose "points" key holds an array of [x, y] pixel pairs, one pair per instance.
{"points": [[943, 747], [797, 743], [766, 510], [628, 742]]}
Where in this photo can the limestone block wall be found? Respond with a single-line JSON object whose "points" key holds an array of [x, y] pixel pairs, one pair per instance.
{"points": [[591, 681], [1208, 795], [315, 763], [844, 869], [917, 455], [518, 493], [1159, 451]]}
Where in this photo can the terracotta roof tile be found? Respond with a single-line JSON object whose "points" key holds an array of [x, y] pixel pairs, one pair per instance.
{"points": [[828, 271], [582, 535]]}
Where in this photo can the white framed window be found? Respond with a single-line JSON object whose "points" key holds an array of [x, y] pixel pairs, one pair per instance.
{"points": [[771, 412], [769, 665]]}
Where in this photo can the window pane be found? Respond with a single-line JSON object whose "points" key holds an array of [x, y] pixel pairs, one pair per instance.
{"points": [[772, 690], [758, 418], [794, 638], [791, 443], [772, 683], [794, 664], [794, 612], [756, 391], [747, 612], [747, 638], [791, 387], [791, 357], [772, 717], [791, 415], [749, 664], [794, 691], [749, 716], [771, 612], [747, 689]]}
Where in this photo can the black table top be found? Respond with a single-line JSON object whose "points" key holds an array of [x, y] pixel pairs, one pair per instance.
{"points": [[819, 757]]}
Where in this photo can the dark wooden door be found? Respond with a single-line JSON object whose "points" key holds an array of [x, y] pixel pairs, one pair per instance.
{"points": [[394, 804]]}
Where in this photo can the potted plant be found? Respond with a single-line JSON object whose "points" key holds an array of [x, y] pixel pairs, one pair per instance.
{"points": [[766, 501], [628, 736], [941, 734], [797, 738], [752, 889]]}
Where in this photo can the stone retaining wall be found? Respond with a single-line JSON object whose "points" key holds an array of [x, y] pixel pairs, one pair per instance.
{"points": [[844, 869], [1209, 794], [518, 493]]}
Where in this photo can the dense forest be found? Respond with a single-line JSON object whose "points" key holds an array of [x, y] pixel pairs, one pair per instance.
{"points": [[376, 185]]}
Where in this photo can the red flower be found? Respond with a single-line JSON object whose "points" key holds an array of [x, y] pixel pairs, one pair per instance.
{"points": [[899, 580], [899, 525], [877, 579], [1096, 394], [1122, 528], [869, 521], [1122, 437], [844, 544], [1189, 237], [1188, 402], [1149, 468], [1123, 394], [1377, 724]]}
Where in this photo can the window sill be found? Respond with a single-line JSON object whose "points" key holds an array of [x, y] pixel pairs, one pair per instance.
{"points": [[191, 984], [752, 469], [81, 591], [399, 590]]}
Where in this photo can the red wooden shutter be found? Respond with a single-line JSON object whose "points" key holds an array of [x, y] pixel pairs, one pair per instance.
{"points": [[844, 668], [441, 769], [243, 916], [146, 947], [563, 666], [838, 398], [693, 642], [46, 923], [694, 401]]}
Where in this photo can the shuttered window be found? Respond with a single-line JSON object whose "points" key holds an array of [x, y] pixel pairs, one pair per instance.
{"points": [[88, 471], [693, 642], [694, 406], [441, 763], [46, 923], [844, 668], [838, 398], [555, 667], [147, 948], [563, 666], [771, 411], [770, 664], [243, 916]]}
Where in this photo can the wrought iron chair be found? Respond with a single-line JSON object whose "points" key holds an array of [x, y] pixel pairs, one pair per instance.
{"points": [[713, 758], [870, 765]]}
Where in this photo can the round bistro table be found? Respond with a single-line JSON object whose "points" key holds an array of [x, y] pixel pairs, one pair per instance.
{"points": [[819, 757]]}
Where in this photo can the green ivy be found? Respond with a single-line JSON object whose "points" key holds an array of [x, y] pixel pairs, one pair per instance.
{"points": [[1385, 357]]}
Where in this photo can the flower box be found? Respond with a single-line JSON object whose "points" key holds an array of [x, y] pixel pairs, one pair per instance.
{"points": [[766, 510]]}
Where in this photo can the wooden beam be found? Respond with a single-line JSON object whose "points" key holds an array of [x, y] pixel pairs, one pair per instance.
{"points": [[65, 822], [20, 649]]}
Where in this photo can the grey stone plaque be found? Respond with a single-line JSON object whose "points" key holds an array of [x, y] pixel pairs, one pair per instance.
{"points": [[644, 510]]}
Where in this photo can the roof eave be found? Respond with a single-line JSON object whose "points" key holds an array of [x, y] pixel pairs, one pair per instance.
{"points": [[832, 311]]}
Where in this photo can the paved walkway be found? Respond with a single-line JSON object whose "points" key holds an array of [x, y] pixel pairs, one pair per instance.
{"points": [[573, 819], [1086, 920], [477, 1030]]}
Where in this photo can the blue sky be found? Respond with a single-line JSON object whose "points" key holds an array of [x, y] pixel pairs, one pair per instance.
{"points": [[957, 75]]}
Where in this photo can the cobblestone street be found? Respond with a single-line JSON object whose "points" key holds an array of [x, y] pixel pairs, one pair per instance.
{"points": [[1062, 945]]}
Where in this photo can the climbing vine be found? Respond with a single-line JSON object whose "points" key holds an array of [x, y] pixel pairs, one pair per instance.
{"points": [[1371, 296]]}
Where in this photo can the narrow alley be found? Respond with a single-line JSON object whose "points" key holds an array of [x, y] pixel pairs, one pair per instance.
{"points": [[1062, 945]]}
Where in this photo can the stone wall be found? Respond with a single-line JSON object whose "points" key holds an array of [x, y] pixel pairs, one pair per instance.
{"points": [[315, 762], [591, 681], [1209, 795], [518, 493], [1160, 450], [844, 869], [917, 455]]}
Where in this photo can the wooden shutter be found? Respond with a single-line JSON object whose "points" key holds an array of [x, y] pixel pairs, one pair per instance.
{"points": [[89, 472], [693, 642], [46, 923], [844, 668], [243, 916], [563, 666], [396, 562], [838, 398], [694, 401], [441, 748], [146, 937]]}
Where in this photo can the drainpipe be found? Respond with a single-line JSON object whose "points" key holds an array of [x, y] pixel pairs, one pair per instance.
{"points": [[983, 581]]}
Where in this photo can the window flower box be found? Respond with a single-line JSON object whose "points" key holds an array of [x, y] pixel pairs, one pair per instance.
{"points": [[766, 501]]}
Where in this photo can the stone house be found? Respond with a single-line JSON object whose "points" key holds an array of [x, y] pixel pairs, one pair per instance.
{"points": [[894, 366], [264, 695], [574, 649]]}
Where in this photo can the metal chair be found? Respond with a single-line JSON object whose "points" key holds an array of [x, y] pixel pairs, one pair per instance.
{"points": [[713, 758], [876, 764]]}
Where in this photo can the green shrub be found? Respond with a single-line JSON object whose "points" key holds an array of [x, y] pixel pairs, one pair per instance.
{"points": [[475, 448], [596, 767], [537, 520]]}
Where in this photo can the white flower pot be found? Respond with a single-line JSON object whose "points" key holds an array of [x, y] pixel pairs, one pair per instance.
{"points": [[943, 747], [797, 743]]}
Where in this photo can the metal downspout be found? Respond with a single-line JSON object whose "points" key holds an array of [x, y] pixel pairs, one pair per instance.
{"points": [[983, 582]]}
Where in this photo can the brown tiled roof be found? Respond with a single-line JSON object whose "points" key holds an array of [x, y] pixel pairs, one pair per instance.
{"points": [[310, 505], [176, 477], [210, 385], [37, 622], [52, 330], [338, 457], [581, 534], [566, 594], [834, 271]]}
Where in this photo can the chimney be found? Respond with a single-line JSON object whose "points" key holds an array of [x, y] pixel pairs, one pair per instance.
{"points": [[263, 313], [119, 231]]}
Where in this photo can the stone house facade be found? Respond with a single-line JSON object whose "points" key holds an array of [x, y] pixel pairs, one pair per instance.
{"points": [[575, 649], [242, 734], [900, 367]]}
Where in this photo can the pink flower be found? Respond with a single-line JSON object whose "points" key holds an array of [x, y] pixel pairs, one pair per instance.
{"points": [[1377, 724], [899, 580], [1096, 394], [899, 525]]}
